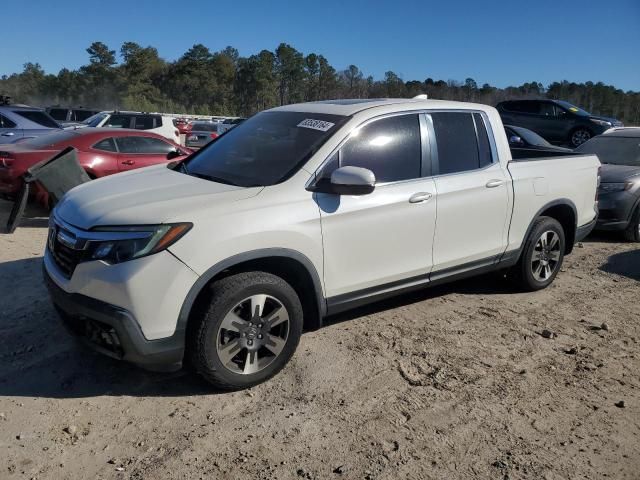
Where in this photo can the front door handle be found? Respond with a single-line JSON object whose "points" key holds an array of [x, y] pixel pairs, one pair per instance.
{"points": [[128, 162], [420, 197], [494, 183], [8, 134]]}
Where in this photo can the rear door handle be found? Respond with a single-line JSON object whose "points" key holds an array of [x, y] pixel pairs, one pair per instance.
{"points": [[494, 183], [8, 134], [420, 197], [128, 162]]}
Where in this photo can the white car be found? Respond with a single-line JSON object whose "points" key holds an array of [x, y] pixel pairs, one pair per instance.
{"points": [[150, 122], [299, 212]]}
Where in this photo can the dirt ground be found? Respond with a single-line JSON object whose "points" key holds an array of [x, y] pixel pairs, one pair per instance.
{"points": [[453, 382]]}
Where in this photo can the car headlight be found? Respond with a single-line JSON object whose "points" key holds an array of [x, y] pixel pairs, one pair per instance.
{"points": [[127, 243], [602, 123], [615, 187]]}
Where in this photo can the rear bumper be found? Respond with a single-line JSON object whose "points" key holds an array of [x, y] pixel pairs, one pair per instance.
{"points": [[114, 331]]}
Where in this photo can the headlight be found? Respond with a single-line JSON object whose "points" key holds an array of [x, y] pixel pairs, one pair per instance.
{"points": [[602, 123], [615, 187], [126, 243]]}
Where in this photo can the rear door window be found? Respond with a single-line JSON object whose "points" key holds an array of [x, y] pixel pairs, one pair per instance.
{"points": [[118, 121], [39, 117], [462, 142], [143, 122], [82, 115]]}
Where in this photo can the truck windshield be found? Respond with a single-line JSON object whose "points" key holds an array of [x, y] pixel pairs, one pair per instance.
{"points": [[613, 150], [265, 149]]}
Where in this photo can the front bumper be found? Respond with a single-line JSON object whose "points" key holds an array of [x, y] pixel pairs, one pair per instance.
{"points": [[616, 210], [114, 331]]}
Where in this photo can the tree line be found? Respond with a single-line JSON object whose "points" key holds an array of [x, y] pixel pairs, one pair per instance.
{"points": [[224, 83]]}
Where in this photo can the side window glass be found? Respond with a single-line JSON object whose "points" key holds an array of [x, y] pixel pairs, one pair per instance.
{"points": [[143, 123], [547, 109], [107, 145], [118, 121], [6, 123], [456, 141], [129, 144], [154, 146], [389, 147]]}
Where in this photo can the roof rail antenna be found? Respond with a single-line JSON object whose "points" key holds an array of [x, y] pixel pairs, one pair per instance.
{"points": [[422, 96]]}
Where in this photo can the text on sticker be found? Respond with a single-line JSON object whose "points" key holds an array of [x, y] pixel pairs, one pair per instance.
{"points": [[316, 124]]}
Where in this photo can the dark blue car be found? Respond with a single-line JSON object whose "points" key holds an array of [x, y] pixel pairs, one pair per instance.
{"points": [[20, 122]]}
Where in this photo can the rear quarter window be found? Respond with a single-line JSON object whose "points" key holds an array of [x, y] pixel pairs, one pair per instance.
{"points": [[107, 145], [6, 123]]}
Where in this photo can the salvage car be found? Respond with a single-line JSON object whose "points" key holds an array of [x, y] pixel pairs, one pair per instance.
{"points": [[200, 134], [100, 152], [19, 122], [555, 120], [300, 212], [619, 202]]}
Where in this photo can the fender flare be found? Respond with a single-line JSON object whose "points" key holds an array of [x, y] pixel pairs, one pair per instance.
{"points": [[553, 203], [210, 273]]}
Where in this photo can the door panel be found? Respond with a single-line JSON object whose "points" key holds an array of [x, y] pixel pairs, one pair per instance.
{"points": [[131, 161], [374, 239], [472, 222]]}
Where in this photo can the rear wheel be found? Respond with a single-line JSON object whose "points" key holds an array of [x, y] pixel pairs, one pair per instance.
{"points": [[541, 256], [632, 233], [579, 136], [248, 332]]}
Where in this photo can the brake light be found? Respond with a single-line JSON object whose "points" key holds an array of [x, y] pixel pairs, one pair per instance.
{"points": [[214, 135]]}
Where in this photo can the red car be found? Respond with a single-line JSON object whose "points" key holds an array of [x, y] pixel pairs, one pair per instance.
{"points": [[101, 152]]}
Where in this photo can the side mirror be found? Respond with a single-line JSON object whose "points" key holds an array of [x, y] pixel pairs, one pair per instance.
{"points": [[515, 140], [174, 154], [348, 181]]}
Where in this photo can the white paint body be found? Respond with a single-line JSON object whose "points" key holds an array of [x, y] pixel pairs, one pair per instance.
{"points": [[367, 241]]}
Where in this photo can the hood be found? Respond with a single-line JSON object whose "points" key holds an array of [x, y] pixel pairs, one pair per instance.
{"points": [[146, 196], [614, 121], [618, 173]]}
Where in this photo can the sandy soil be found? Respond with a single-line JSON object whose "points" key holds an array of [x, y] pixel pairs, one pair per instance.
{"points": [[453, 382]]}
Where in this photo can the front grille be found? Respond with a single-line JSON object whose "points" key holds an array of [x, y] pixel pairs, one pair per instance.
{"points": [[65, 258]]}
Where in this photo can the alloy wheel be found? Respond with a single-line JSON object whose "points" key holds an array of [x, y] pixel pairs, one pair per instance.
{"points": [[546, 256], [252, 334], [579, 137]]}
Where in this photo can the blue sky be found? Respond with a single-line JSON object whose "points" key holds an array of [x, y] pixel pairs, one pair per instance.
{"points": [[502, 43]]}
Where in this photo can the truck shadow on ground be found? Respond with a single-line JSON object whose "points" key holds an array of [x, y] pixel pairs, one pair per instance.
{"points": [[626, 264], [38, 358]]}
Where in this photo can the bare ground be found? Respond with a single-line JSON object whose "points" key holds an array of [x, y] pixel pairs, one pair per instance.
{"points": [[452, 382]]}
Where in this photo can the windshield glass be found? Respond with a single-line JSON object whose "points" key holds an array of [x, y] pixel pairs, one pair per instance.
{"points": [[264, 150], [48, 140], [573, 108], [531, 137], [614, 150], [94, 120]]}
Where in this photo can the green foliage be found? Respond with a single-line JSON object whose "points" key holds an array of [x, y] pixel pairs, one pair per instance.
{"points": [[225, 83]]}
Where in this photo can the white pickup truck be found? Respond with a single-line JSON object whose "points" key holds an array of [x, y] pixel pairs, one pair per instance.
{"points": [[300, 212]]}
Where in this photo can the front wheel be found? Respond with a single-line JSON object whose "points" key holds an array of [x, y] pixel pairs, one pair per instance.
{"points": [[248, 332], [542, 255], [578, 137], [632, 232]]}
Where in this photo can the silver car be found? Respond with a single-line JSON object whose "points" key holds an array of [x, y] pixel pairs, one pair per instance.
{"points": [[201, 133]]}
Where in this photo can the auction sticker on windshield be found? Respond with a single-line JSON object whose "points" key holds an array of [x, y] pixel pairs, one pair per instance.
{"points": [[316, 124]]}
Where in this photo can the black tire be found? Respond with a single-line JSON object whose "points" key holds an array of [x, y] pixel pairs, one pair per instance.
{"points": [[523, 272], [632, 232], [203, 338], [578, 136]]}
